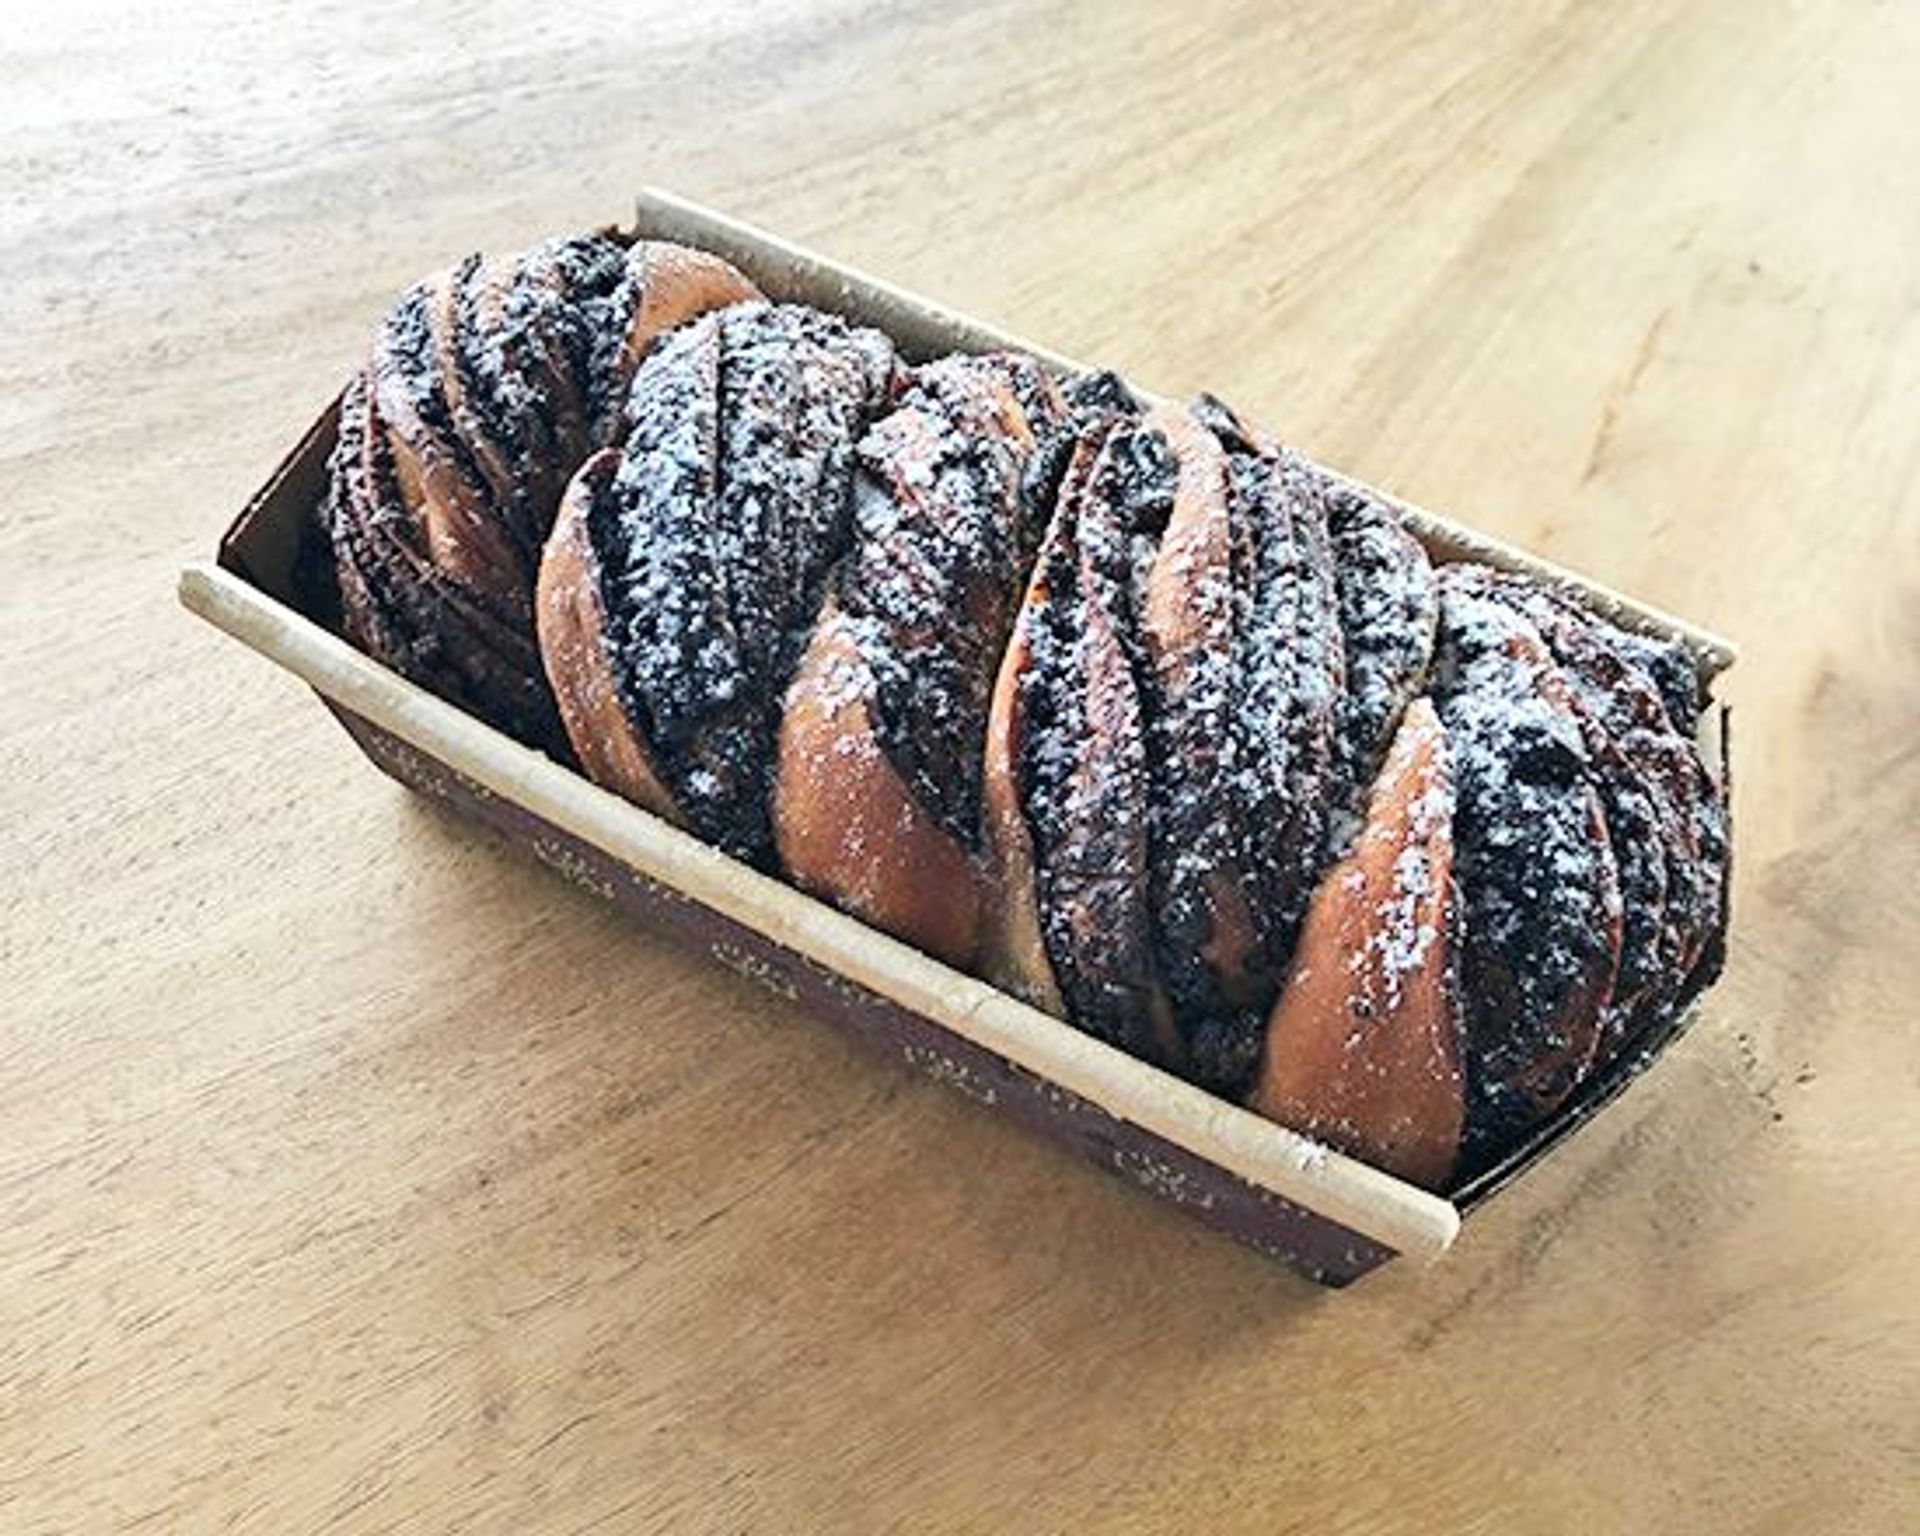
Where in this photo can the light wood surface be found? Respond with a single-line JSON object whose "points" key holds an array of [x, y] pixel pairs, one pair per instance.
{"points": [[358, 1175]]}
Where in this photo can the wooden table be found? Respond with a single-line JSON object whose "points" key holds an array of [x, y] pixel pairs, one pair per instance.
{"points": [[360, 1175]]}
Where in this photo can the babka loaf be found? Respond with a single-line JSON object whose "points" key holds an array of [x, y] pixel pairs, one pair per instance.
{"points": [[1123, 706]]}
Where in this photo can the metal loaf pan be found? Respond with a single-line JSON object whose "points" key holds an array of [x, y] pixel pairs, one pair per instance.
{"points": [[1328, 1216]]}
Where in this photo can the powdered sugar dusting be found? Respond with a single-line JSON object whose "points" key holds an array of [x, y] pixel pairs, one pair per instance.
{"points": [[943, 531], [1388, 612], [1664, 811], [1536, 867]]}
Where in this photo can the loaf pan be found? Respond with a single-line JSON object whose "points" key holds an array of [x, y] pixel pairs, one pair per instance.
{"points": [[1328, 1216]]}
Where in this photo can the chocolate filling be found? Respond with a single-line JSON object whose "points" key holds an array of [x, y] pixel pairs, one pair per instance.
{"points": [[1082, 767], [1289, 680], [1388, 612], [494, 373], [1535, 866], [1666, 814], [944, 530], [397, 605], [1192, 690]]}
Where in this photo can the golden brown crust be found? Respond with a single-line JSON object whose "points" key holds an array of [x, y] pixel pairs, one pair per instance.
{"points": [[676, 284], [845, 823], [878, 801], [572, 629], [1363, 1049]]}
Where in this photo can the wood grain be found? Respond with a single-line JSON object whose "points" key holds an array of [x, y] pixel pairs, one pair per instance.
{"points": [[359, 1175]]}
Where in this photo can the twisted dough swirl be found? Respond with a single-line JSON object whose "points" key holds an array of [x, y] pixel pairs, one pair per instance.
{"points": [[487, 386]]}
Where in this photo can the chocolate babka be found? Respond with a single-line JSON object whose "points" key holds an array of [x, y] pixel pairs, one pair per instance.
{"points": [[488, 384], [1162, 739], [1124, 706]]}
